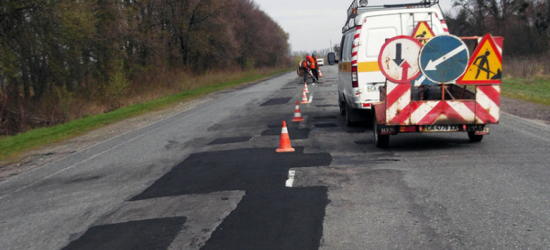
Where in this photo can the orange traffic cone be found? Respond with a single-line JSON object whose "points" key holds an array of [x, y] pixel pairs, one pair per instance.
{"points": [[297, 114], [304, 97], [285, 141], [305, 88], [320, 74]]}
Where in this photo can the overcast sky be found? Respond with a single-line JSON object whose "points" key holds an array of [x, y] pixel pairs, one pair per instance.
{"points": [[312, 25]]}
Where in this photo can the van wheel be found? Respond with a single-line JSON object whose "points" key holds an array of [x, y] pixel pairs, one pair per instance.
{"points": [[350, 116], [342, 106], [473, 137], [381, 141]]}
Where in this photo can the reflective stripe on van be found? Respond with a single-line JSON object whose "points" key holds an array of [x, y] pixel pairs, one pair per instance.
{"points": [[344, 67], [368, 67], [362, 67]]}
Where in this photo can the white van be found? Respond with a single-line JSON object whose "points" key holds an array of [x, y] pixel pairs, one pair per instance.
{"points": [[366, 30]]}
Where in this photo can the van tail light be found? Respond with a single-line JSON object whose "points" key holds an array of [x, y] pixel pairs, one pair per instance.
{"points": [[354, 82]]}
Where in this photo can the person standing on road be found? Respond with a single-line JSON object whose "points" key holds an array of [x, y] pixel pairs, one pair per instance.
{"points": [[315, 67], [306, 66]]}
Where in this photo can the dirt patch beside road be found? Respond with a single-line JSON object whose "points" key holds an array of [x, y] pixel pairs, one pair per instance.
{"points": [[525, 109]]}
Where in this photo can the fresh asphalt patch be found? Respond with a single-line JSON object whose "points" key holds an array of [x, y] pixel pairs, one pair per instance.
{"points": [[276, 219], [276, 101], [325, 117], [144, 234], [239, 169], [293, 133], [230, 140], [270, 215], [324, 125]]}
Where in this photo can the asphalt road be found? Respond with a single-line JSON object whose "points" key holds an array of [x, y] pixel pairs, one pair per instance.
{"points": [[209, 178]]}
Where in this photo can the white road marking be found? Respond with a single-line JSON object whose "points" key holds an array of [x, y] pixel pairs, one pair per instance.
{"points": [[290, 180]]}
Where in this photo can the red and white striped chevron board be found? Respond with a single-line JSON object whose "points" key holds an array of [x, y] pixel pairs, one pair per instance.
{"points": [[488, 104], [398, 103], [401, 110]]}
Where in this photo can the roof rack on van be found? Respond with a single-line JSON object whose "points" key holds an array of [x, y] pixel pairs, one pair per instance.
{"points": [[361, 6]]}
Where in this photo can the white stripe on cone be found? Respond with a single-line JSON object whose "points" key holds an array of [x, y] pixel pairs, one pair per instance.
{"points": [[304, 98]]}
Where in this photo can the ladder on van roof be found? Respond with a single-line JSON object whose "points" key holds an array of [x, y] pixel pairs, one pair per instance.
{"points": [[355, 8]]}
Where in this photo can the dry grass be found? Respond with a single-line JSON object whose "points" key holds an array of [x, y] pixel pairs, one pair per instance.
{"points": [[162, 84], [147, 87], [531, 67]]}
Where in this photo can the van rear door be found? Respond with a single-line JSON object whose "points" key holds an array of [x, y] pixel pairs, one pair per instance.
{"points": [[375, 31], [374, 35]]}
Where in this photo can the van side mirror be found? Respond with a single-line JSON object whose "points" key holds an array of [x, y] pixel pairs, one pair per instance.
{"points": [[331, 57]]}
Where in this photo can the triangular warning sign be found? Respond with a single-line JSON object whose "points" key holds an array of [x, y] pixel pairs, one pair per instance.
{"points": [[485, 66], [423, 32]]}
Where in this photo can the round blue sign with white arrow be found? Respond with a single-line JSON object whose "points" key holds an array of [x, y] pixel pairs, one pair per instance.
{"points": [[444, 58]]}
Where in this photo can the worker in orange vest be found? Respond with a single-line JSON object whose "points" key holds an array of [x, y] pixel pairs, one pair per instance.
{"points": [[306, 66], [314, 67]]}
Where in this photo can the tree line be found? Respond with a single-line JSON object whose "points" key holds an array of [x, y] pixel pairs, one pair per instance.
{"points": [[524, 24], [52, 49]]}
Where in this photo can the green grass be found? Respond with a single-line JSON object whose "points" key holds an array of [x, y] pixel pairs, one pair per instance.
{"points": [[11, 147], [536, 90]]}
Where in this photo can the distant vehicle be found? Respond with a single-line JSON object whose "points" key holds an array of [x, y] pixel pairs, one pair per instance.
{"points": [[365, 31], [321, 62]]}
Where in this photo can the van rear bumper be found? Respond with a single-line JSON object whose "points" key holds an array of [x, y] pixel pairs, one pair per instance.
{"points": [[362, 105], [359, 102]]}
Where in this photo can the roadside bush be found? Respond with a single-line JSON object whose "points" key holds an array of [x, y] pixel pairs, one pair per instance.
{"points": [[117, 88]]}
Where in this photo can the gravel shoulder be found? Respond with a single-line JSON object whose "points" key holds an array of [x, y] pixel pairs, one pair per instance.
{"points": [[525, 109], [40, 157]]}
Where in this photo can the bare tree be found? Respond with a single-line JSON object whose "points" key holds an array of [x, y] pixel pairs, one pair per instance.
{"points": [[52, 52], [523, 23]]}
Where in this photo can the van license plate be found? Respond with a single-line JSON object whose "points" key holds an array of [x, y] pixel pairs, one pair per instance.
{"points": [[373, 88], [440, 128]]}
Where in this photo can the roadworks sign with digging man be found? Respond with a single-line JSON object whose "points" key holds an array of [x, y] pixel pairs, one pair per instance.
{"points": [[485, 64]]}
